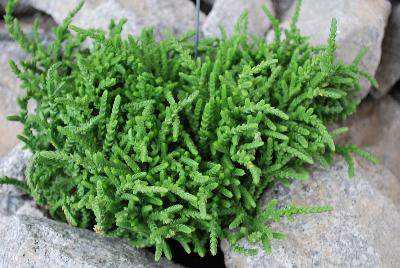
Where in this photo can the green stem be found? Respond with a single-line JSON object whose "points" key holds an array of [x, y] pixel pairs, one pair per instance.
{"points": [[17, 183]]}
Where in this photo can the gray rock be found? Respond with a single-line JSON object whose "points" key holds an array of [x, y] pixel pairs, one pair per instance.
{"points": [[361, 23], [176, 16], [388, 72], [29, 208], [23, 7], [39, 242], [362, 231], [13, 165], [376, 127], [226, 12]]}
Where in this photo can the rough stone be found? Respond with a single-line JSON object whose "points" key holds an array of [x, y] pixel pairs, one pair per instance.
{"points": [[39, 242], [30, 208], [176, 16], [13, 165], [362, 231], [361, 23], [388, 72], [226, 12], [376, 127]]}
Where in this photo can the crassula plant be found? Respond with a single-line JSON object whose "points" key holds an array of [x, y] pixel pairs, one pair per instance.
{"points": [[140, 140]]}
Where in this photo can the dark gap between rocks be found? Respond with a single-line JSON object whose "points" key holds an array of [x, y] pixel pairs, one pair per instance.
{"points": [[204, 7], [395, 91], [193, 260]]}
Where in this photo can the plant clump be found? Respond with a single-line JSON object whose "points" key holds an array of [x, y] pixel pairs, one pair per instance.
{"points": [[140, 140]]}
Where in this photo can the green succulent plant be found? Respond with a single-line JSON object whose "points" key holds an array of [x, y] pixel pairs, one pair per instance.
{"points": [[140, 140]]}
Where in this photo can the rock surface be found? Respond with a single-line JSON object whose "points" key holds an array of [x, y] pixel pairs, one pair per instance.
{"points": [[376, 127], [388, 72], [176, 16], [361, 23], [39, 242], [362, 231], [226, 13], [13, 200]]}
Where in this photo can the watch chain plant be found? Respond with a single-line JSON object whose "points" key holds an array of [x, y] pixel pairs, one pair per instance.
{"points": [[140, 140]]}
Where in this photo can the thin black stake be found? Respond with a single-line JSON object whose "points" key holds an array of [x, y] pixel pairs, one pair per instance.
{"points": [[197, 38]]}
